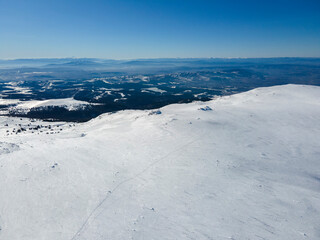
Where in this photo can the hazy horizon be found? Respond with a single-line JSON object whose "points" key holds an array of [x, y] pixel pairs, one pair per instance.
{"points": [[158, 58]]}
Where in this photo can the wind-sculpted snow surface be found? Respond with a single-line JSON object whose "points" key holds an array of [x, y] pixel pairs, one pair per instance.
{"points": [[247, 169]]}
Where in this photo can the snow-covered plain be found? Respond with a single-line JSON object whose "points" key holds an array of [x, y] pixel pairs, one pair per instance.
{"points": [[245, 167]]}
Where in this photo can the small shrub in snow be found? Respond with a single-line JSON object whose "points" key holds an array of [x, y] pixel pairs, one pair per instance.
{"points": [[206, 108], [155, 112]]}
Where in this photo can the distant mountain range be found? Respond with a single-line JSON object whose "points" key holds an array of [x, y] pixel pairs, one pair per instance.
{"points": [[148, 63]]}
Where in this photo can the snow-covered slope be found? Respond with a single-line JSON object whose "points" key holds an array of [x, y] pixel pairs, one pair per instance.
{"points": [[25, 106], [245, 166]]}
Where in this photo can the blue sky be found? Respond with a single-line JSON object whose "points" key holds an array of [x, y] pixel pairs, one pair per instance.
{"points": [[125, 29]]}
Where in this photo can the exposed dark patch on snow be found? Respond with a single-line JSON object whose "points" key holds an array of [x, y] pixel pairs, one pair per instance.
{"points": [[315, 177], [155, 112], [6, 147], [206, 108]]}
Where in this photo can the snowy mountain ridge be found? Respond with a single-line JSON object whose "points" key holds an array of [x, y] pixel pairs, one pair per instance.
{"points": [[23, 107], [244, 166]]}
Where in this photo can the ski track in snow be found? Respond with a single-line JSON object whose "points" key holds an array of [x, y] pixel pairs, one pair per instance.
{"points": [[91, 216]]}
